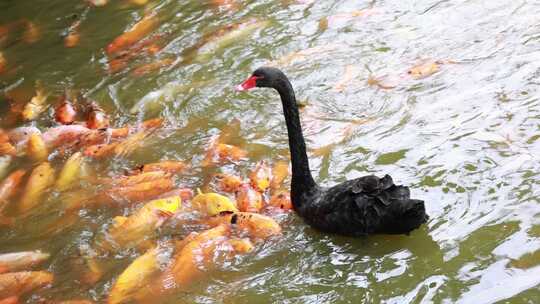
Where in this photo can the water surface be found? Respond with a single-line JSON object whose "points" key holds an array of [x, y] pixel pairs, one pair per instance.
{"points": [[466, 139]]}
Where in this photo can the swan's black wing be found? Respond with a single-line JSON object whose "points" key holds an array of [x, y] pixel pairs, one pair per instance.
{"points": [[366, 205]]}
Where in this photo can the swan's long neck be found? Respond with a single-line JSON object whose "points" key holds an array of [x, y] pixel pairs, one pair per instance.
{"points": [[302, 181]]}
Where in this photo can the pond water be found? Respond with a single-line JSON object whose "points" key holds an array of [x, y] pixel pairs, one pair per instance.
{"points": [[442, 95]]}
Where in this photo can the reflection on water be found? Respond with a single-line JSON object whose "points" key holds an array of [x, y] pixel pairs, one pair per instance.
{"points": [[443, 95]]}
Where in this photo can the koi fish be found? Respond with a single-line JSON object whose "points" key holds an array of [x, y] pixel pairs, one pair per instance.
{"points": [[131, 180], [16, 261], [128, 232], [424, 69], [3, 63], [19, 283], [41, 178], [185, 193], [32, 32], [212, 203], [186, 267], [165, 166], [10, 300], [5, 161], [155, 100], [9, 187], [63, 135], [19, 136], [97, 119], [36, 149], [280, 171], [241, 245], [122, 148], [227, 36], [37, 104], [142, 28], [228, 183], [137, 275], [70, 172], [65, 113], [152, 66], [219, 152], [282, 200], [248, 199], [257, 225], [73, 36], [6, 148], [75, 302], [98, 2], [260, 177], [136, 193]]}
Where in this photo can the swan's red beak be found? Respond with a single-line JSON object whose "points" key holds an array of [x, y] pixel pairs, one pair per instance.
{"points": [[250, 83]]}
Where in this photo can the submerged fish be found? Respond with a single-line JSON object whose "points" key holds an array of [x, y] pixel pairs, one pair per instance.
{"points": [[36, 148], [137, 32], [191, 261], [5, 161], [280, 171], [227, 182], [156, 100], [260, 176], [137, 275], [6, 148], [16, 261], [9, 187], [19, 283], [41, 178], [37, 104], [248, 199], [170, 166], [227, 36], [73, 36], [257, 225], [70, 172], [282, 200], [19, 136]]}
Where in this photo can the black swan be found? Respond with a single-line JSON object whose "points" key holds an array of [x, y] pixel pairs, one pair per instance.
{"points": [[358, 207]]}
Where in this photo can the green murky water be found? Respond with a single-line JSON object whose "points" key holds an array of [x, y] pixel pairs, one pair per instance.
{"points": [[466, 139]]}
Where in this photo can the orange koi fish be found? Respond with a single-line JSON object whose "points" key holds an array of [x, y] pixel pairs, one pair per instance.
{"points": [[9, 187], [137, 32], [19, 283], [65, 113], [228, 183], [248, 199], [260, 176], [281, 199], [257, 225], [16, 261]]}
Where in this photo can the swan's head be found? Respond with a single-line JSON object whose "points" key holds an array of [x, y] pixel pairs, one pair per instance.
{"points": [[263, 77]]}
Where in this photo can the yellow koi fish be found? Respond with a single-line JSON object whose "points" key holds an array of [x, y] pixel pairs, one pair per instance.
{"points": [[131, 231], [137, 275], [41, 178], [70, 172], [36, 149], [213, 203]]}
